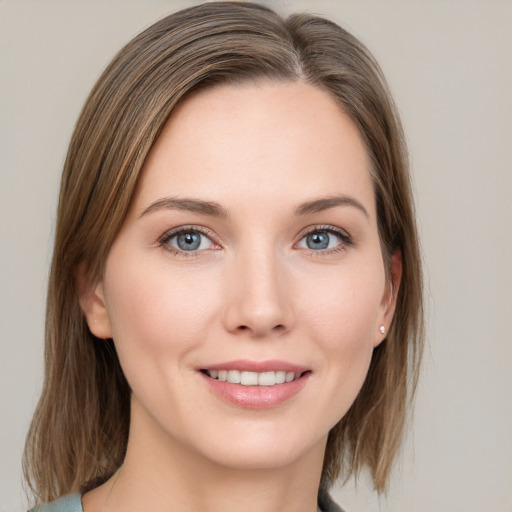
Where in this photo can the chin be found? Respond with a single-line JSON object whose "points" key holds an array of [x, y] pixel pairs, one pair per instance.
{"points": [[264, 451]]}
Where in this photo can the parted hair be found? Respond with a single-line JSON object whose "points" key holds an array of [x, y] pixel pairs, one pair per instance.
{"points": [[79, 432]]}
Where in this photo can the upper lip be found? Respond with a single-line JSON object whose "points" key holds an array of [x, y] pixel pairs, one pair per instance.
{"points": [[271, 365]]}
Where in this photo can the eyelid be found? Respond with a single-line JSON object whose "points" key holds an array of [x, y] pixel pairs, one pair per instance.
{"points": [[346, 238], [163, 239]]}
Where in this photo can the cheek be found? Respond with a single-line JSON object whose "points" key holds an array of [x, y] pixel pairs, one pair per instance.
{"points": [[341, 317], [154, 310], [345, 305], [342, 312]]}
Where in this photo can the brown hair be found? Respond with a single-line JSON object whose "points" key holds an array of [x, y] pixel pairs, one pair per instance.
{"points": [[79, 432]]}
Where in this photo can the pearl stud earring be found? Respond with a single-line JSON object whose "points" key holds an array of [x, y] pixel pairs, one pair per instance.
{"points": [[382, 329]]}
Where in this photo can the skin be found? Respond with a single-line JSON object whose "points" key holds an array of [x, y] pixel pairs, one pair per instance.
{"points": [[254, 290]]}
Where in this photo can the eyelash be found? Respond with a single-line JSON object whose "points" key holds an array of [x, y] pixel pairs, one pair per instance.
{"points": [[345, 238], [164, 240]]}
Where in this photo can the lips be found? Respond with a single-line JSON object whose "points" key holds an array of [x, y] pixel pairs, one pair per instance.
{"points": [[256, 385]]}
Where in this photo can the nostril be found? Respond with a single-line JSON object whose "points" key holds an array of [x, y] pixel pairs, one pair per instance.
{"points": [[276, 328]]}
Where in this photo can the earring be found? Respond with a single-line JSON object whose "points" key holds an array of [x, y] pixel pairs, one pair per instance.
{"points": [[382, 329]]}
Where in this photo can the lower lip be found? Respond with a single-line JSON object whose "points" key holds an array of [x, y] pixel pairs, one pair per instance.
{"points": [[256, 397]]}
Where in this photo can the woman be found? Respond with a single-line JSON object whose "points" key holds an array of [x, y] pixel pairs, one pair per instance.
{"points": [[234, 309]]}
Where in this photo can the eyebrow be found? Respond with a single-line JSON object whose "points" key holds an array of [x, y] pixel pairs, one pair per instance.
{"points": [[186, 204], [216, 210], [319, 205]]}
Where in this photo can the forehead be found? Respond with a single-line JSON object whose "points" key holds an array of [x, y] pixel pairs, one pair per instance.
{"points": [[257, 140]]}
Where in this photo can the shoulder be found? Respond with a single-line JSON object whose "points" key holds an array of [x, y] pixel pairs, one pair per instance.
{"points": [[71, 503]]}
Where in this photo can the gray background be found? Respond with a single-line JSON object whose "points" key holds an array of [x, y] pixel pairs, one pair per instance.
{"points": [[449, 64]]}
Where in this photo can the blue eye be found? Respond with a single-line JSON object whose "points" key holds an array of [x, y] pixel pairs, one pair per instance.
{"points": [[318, 240], [323, 240], [188, 240]]}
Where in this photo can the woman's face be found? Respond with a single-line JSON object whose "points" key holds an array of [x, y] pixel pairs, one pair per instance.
{"points": [[250, 253]]}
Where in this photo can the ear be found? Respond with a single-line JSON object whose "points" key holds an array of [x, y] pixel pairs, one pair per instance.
{"points": [[388, 303], [92, 301]]}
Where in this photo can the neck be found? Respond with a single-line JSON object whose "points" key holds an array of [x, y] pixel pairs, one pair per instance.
{"points": [[162, 475]]}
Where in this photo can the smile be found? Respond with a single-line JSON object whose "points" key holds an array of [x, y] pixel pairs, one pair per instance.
{"points": [[255, 384], [247, 378]]}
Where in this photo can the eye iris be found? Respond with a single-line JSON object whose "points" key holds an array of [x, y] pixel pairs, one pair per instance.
{"points": [[318, 240], [189, 241]]}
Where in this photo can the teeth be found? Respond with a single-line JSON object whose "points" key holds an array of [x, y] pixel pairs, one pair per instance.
{"points": [[253, 378], [249, 379], [280, 377], [234, 376], [267, 379]]}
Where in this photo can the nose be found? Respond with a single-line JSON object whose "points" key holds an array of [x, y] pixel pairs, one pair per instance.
{"points": [[258, 297]]}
